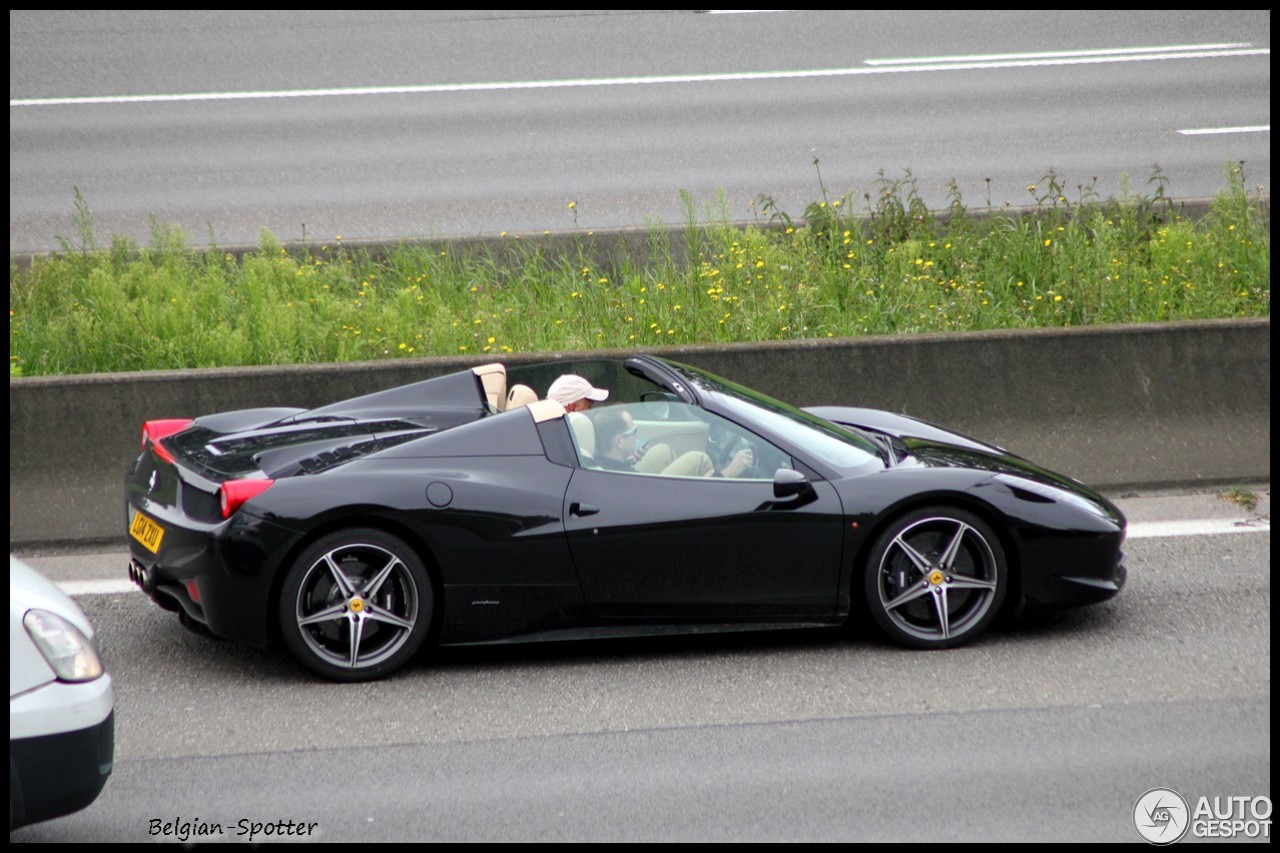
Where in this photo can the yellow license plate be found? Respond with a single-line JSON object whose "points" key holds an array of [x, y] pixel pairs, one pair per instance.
{"points": [[147, 532]]}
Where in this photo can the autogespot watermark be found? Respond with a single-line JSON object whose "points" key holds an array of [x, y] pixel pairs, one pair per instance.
{"points": [[1163, 816]]}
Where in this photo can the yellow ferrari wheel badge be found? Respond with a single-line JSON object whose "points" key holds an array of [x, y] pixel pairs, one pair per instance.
{"points": [[356, 605], [936, 577]]}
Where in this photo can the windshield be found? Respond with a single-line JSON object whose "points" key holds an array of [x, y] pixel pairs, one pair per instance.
{"points": [[817, 438]]}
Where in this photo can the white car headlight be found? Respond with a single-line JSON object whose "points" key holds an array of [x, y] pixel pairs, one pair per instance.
{"points": [[70, 654]]}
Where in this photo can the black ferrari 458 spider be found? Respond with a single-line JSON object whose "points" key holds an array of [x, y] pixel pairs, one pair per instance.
{"points": [[466, 510]]}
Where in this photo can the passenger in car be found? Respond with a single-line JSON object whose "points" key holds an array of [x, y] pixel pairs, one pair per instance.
{"points": [[575, 393], [616, 450]]}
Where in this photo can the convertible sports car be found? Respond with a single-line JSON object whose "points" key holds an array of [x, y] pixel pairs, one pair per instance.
{"points": [[464, 510]]}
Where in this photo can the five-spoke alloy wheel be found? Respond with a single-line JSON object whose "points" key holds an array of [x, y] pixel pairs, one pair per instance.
{"points": [[356, 605], [936, 578]]}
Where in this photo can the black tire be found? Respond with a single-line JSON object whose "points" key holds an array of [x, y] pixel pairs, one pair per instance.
{"points": [[356, 605], [936, 578]]}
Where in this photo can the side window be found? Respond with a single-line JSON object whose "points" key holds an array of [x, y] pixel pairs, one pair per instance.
{"points": [[671, 439], [740, 453]]}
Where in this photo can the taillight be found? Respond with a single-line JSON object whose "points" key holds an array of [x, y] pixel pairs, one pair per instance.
{"points": [[235, 492], [154, 431]]}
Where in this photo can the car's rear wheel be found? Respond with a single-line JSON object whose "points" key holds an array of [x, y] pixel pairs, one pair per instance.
{"points": [[356, 605], [936, 578]]}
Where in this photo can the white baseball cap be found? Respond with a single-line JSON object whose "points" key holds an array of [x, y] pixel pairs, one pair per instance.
{"points": [[571, 388]]}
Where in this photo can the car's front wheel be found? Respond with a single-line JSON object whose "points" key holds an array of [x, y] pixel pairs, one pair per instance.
{"points": [[356, 605], [936, 578]]}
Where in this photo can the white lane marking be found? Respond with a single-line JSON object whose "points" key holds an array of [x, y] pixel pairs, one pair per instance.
{"points": [[625, 81], [1197, 527], [1137, 530], [1059, 54], [1249, 128]]}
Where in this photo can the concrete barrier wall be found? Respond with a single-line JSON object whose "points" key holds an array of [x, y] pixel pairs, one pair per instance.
{"points": [[1150, 405]]}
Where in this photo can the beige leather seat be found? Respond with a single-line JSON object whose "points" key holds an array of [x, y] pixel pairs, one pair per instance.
{"points": [[520, 395], [584, 435], [494, 379]]}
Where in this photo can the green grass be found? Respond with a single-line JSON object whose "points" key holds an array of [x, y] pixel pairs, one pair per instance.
{"points": [[1241, 496], [896, 268]]}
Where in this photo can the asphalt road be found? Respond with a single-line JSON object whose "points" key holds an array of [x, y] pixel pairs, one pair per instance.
{"points": [[1047, 730], [441, 123]]}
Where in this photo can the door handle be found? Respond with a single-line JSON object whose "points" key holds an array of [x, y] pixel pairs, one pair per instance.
{"points": [[582, 510]]}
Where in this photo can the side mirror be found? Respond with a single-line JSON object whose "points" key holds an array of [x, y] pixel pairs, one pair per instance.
{"points": [[790, 483]]}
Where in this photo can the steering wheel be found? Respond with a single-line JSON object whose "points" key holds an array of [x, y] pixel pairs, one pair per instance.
{"points": [[752, 472]]}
